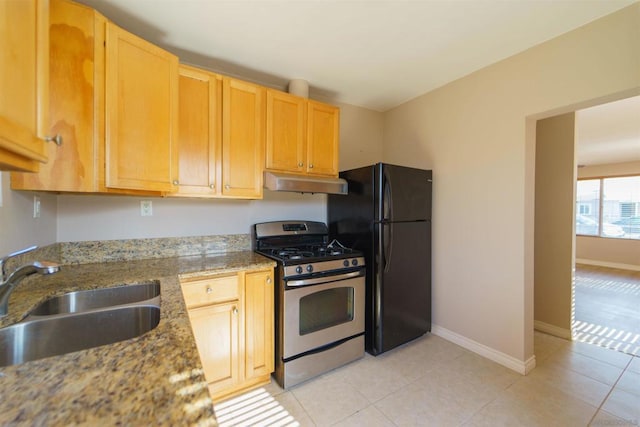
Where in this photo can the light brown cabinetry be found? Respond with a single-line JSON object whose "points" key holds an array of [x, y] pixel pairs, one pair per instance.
{"points": [[302, 135], [232, 320], [24, 67], [76, 107], [221, 136], [141, 113]]}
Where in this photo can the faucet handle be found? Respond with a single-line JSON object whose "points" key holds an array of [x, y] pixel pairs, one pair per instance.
{"points": [[5, 258]]}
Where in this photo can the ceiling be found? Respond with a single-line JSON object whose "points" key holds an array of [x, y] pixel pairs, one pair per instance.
{"points": [[609, 133], [375, 54], [370, 53]]}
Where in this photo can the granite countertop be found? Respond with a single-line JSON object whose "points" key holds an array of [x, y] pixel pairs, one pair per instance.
{"points": [[153, 379]]}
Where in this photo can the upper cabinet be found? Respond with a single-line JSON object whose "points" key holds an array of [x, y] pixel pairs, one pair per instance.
{"points": [[221, 136], [323, 130], [24, 67], [141, 116], [302, 135], [243, 117], [76, 103], [200, 116]]}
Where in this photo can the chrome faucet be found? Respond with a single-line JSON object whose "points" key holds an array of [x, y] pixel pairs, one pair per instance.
{"points": [[9, 281]]}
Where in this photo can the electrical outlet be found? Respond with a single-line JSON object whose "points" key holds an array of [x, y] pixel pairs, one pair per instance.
{"points": [[146, 208], [36, 206]]}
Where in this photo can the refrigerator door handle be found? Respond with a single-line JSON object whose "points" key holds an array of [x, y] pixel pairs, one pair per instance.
{"points": [[387, 212], [387, 241]]}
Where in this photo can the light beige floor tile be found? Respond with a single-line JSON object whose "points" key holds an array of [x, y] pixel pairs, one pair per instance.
{"points": [[603, 354], [630, 382], [298, 416], [368, 417], [329, 399], [417, 406], [273, 388], [623, 404], [374, 378], [634, 366], [585, 365], [481, 369], [543, 402], [258, 407], [603, 419], [545, 345], [589, 390]]}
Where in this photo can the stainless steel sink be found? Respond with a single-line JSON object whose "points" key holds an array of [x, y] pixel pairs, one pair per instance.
{"points": [[92, 299], [50, 336]]}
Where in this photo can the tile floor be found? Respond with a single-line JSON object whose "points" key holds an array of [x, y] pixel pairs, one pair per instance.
{"points": [[432, 382]]}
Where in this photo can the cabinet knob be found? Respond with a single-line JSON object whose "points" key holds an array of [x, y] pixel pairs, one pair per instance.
{"points": [[176, 182], [211, 186], [300, 164], [57, 139], [235, 310], [268, 280], [209, 290], [227, 186], [311, 166]]}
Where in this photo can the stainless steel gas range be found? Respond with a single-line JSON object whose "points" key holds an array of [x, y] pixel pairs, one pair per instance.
{"points": [[320, 294]]}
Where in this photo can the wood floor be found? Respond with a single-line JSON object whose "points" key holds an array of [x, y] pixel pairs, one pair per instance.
{"points": [[607, 308]]}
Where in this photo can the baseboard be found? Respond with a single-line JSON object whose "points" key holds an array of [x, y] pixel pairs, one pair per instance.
{"points": [[554, 330], [521, 367], [608, 264]]}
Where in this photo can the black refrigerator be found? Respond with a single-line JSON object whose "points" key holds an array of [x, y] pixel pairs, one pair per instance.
{"points": [[387, 215]]}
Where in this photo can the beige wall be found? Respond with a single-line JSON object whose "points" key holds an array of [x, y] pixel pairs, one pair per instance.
{"points": [[554, 217], [620, 253], [478, 135], [18, 228]]}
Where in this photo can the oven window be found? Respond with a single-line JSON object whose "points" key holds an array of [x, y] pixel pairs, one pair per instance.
{"points": [[325, 309]]}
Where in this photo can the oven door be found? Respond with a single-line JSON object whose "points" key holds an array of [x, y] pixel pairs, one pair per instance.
{"points": [[321, 314]]}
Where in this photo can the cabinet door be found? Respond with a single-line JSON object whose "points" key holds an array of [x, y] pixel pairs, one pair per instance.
{"points": [[76, 76], [200, 99], [259, 318], [285, 143], [24, 68], [141, 113], [216, 330], [323, 130], [242, 138]]}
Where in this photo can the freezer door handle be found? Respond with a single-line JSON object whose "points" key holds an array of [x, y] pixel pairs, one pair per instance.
{"points": [[387, 244]]}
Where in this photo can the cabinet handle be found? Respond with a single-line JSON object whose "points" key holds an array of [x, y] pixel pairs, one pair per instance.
{"points": [[209, 290], [227, 186], [311, 166], [211, 186], [235, 310], [176, 182], [300, 164], [268, 280], [57, 139]]}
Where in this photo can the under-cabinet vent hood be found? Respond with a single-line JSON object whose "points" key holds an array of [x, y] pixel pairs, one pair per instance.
{"points": [[304, 184]]}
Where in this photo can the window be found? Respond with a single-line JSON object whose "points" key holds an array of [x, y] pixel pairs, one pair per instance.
{"points": [[608, 207]]}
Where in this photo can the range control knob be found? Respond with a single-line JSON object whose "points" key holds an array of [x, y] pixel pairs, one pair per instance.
{"points": [[309, 268], [354, 262], [345, 263], [298, 269]]}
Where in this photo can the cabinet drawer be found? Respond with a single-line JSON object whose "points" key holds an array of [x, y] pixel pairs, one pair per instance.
{"points": [[210, 291]]}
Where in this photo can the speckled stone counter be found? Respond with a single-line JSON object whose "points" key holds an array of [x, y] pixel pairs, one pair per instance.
{"points": [[153, 379]]}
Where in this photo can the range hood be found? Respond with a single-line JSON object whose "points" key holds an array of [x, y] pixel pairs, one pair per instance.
{"points": [[304, 184]]}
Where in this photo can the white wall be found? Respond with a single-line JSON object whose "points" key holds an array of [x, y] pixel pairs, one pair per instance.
{"points": [[18, 228], [478, 135]]}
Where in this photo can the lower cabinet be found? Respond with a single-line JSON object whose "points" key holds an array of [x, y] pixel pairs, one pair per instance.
{"points": [[232, 319]]}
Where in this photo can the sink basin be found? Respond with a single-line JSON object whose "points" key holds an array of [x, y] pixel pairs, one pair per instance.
{"points": [[55, 335], [92, 299]]}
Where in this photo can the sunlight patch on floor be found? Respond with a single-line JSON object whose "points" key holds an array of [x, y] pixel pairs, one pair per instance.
{"points": [[603, 336], [256, 408]]}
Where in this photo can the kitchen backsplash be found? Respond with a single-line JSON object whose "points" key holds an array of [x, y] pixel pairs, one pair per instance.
{"points": [[122, 250]]}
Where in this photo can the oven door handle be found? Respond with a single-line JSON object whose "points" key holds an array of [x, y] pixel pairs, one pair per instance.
{"points": [[323, 279]]}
